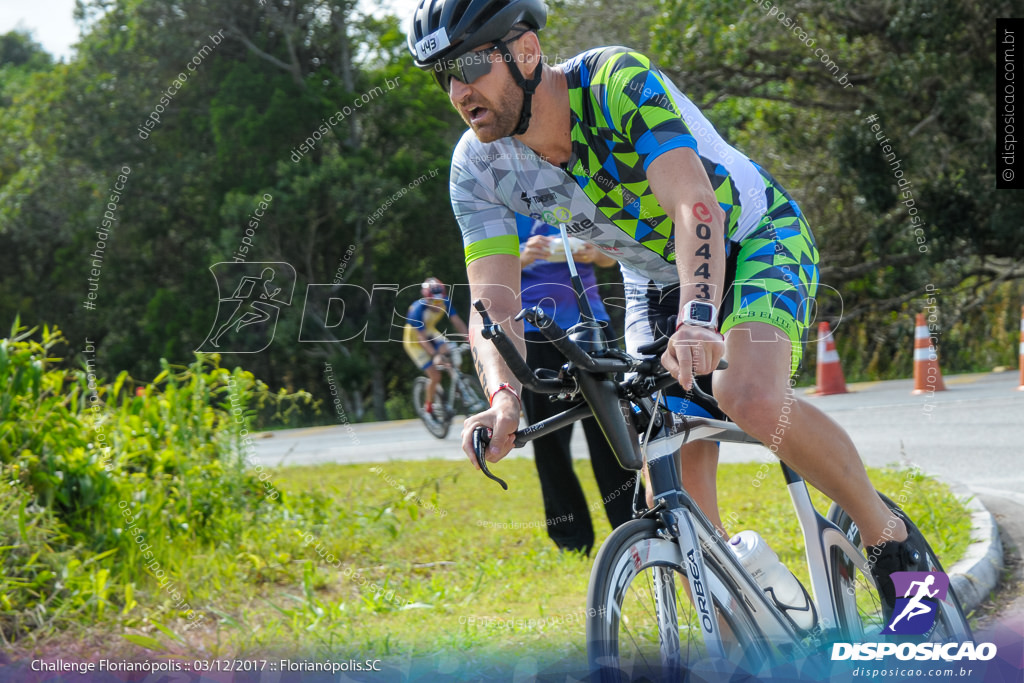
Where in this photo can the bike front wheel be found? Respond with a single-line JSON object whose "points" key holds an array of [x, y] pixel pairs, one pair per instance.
{"points": [[640, 622], [858, 605], [438, 422]]}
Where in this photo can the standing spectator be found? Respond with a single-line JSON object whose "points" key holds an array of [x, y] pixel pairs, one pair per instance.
{"points": [[546, 282]]}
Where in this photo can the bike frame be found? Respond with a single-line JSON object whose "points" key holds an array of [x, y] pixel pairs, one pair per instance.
{"points": [[681, 517], [688, 525], [691, 530]]}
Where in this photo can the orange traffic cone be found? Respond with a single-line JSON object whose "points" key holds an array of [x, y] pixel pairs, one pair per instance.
{"points": [[927, 375], [830, 378], [1021, 387]]}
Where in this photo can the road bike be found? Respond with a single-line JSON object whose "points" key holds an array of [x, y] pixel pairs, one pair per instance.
{"points": [[642, 626], [462, 395]]}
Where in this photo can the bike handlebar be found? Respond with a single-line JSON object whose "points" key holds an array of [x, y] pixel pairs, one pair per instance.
{"points": [[562, 341], [604, 397], [558, 337]]}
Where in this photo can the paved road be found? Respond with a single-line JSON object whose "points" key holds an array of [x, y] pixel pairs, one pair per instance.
{"points": [[972, 434]]}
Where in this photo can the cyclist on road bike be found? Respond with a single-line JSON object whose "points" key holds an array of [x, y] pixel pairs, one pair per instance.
{"points": [[606, 144], [423, 343]]}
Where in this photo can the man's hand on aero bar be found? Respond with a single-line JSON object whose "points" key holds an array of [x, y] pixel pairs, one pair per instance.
{"points": [[501, 420], [692, 351]]}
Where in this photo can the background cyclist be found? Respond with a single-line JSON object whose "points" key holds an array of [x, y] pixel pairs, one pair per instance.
{"points": [[423, 342]]}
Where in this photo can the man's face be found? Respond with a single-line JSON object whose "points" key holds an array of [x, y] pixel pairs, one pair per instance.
{"points": [[491, 104]]}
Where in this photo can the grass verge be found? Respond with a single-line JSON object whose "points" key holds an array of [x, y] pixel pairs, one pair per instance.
{"points": [[427, 559]]}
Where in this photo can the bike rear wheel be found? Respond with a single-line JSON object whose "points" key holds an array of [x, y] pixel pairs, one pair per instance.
{"points": [[640, 622], [859, 607], [438, 422]]}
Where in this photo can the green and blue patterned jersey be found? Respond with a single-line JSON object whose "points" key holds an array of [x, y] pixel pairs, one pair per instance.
{"points": [[625, 113]]}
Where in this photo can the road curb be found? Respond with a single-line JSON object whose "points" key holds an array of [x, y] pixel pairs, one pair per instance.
{"points": [[977, 573]]}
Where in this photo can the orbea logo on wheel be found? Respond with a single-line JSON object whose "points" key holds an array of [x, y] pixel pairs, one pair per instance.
{"points": [[918, 595]]}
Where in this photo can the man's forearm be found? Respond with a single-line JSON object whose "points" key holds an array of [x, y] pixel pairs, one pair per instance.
{"points": [[490, 367], [494, 280], [700, 252]]}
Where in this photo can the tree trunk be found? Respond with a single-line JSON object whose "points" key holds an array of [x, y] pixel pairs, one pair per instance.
{"points": [[377, 391], [380, 412]]}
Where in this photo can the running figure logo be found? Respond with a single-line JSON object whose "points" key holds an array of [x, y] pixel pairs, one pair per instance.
{"points": [[915, 610], [247, 319]]}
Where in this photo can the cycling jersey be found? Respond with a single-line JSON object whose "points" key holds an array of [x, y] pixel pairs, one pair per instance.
{"points": [[423, 316], [624, 115]]}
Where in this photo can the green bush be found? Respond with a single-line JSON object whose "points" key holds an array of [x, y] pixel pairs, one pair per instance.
{"points": [[78, 455]]}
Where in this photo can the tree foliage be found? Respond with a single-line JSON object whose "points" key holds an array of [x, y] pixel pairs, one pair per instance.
{"points": [[793, 85], [225, 139], [263, 79]]}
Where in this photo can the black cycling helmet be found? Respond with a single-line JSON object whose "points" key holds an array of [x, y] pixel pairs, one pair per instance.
{"points": [[467, 25], [448, 29]]}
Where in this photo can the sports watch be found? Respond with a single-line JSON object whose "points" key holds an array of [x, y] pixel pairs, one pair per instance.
{"points": [[700, 314]]}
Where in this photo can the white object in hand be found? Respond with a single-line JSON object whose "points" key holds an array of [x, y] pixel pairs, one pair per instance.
{"points": [[558, 254]]}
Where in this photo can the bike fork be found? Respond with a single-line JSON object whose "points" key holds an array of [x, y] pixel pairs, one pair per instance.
{"points": [[679, 522], [696, 572]]}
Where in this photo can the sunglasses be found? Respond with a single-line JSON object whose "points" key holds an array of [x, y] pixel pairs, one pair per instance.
{"points": [[470, 66]]}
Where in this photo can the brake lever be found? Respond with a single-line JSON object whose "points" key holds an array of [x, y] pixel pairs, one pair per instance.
{"points": [[664, 380], [480, 443], [706, 397]]}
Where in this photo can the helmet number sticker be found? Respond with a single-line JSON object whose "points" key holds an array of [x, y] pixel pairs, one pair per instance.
{"points": [[432, 44]]}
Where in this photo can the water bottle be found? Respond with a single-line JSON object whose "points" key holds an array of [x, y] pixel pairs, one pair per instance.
{"points": [[773, 577]]}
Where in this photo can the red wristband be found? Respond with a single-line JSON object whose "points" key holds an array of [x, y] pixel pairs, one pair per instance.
{"points": [[506, 387]]}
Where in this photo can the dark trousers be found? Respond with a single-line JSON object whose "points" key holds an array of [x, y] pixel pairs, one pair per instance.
{"points": [[568, 518]]}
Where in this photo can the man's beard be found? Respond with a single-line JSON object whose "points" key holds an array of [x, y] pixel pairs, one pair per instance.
{"points": [[505, 117]]}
